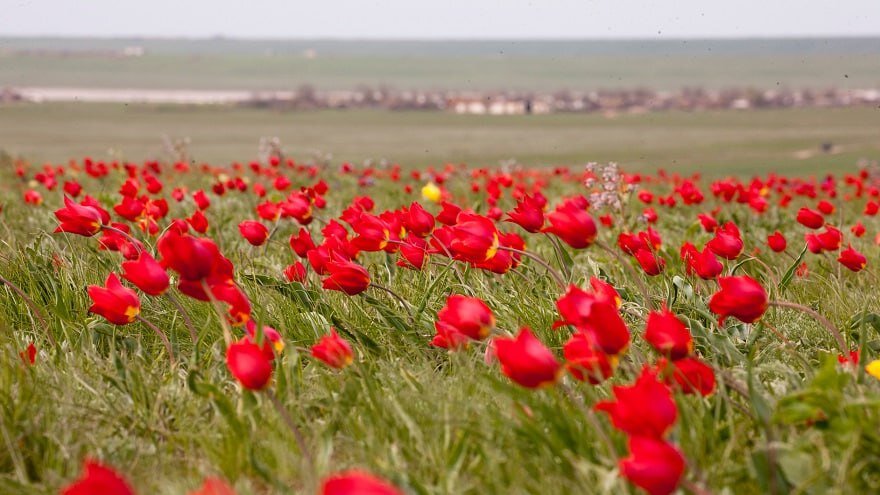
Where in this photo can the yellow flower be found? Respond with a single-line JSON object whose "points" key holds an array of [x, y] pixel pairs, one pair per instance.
{"points": [[873, 368], [431, 192]]}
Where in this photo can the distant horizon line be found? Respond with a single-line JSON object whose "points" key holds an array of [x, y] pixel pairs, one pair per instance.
{"points": [[799, 37]]}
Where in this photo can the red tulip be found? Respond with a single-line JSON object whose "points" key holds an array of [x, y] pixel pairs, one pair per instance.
{"points": [[858, 229], [668, 335], [651, 263], [254, 232], [830, 239], [249, 364], [727, 242], [214, 486], [198, 221], [295, 272], [469, 316], [644, 408], [29, 355], [741, 297], [372, 232], [526, 361], [528, 214], [147, 274], [78, 219], [118, 304], [98, 479], [413, 252], [571, 223], [585, 362], [852, 259], [810, 218], [702, 263], [825, 207], [689, 374], [653, 465], [302, 243], [356, 483], [418, 221], [201, 200], [777, 242], [474, 238], [191, 257], [595, 314], [708, 222], [333, 350], [346, 277]]}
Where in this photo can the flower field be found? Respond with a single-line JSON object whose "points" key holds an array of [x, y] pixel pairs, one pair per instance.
{"points": [[281, 327]]}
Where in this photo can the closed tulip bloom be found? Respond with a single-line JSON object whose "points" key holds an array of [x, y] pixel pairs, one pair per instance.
{"points": [[571, 223], [347, 277], [333, 350], [413, 253], [302, 242], [727, 242], [653, 465], [644, 408], [596, 315], [852, 259], [830, 239], [668, 335], [651, 263], [418, 221], [467, 315], [777, 242], [449, 338], [78, 219], [689, 374], [118, 304], [356, 483], [474, 238], [98, 479], [191, 257], [147, 274], [198, 221], [295, 272], [810, 219], [526, 361], [249, 364], [702, 263], [254, 232], [741, 297], [585, 362]]}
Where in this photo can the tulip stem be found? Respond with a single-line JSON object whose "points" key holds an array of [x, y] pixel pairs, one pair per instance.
{"points": [[288, 420], [590, 415], [552, 271], [635, 275], [161, 335], [134, 242], [834, 331], [186, 319], [34, 308]]}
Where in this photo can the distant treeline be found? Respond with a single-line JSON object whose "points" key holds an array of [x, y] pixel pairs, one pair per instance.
{"points": [[602, 101]]}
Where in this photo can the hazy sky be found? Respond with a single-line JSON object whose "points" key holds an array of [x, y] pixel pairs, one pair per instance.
{"points": [[442, 18]]}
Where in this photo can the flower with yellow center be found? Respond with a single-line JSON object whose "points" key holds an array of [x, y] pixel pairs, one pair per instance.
{"points": [[431, 192]]}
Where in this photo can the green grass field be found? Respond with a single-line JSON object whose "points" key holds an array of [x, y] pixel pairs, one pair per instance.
{"points": [[514, 64], [715, 143]]}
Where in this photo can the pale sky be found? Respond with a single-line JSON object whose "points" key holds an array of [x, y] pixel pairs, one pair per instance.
{"points": [[439, 19]]}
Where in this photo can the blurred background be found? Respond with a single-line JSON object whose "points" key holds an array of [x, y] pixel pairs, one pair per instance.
{"points": [[686, 86]]}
